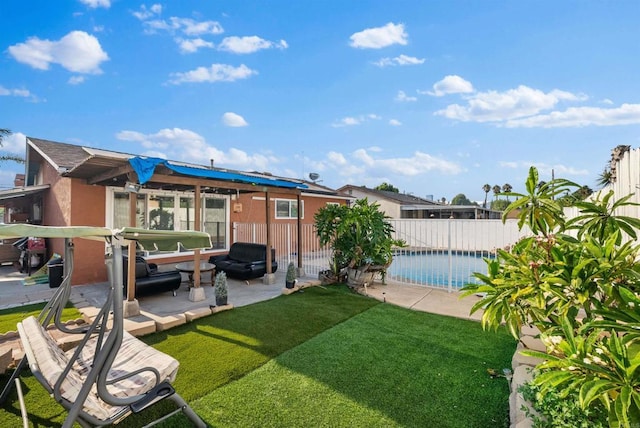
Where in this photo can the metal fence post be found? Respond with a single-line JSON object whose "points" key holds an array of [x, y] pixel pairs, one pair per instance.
{"points": [[450, 255]]}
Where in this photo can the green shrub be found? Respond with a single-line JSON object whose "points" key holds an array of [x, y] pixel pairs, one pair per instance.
{"points": [[556, 411]]}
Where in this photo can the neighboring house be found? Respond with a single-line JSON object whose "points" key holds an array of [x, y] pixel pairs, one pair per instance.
{"points": [[402, 205], [70, 185]]}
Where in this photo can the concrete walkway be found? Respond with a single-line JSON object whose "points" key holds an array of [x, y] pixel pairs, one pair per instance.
{"points": [[425, 299]]}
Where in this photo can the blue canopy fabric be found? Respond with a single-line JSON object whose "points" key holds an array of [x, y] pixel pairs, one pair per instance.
{"points": [[145, 168]]}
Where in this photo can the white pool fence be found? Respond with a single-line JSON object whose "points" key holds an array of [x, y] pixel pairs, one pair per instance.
{"points": [[439, 253]]}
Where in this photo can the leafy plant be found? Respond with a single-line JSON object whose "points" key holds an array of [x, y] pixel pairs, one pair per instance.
{"points": [[557, 411], [220, 285], [538, 208], [577, 281], [597, 366], [360, 235], [291, 273]]}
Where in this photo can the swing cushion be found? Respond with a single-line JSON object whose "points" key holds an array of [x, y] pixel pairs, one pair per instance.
{"points": [[47, 362]]}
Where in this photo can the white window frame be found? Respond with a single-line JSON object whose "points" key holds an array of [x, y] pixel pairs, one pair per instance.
{"points": [[290, 202]]}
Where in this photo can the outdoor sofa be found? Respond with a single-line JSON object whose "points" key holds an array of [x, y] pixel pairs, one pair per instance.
{"points": [[148, 279], [245, 261]]}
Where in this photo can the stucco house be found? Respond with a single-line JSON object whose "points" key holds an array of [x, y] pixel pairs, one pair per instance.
{"points": [[72, 185], [402, 205]]}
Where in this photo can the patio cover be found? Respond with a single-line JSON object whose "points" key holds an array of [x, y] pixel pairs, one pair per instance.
{"points": [[19, 192], [145, 168]]}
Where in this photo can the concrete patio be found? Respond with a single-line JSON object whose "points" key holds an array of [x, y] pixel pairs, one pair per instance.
{"points": [[163, 311]]}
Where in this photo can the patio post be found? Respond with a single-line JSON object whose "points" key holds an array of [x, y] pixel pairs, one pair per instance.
{"points": [[269, 277], [131, 307], [300, 271], [196, 293]]}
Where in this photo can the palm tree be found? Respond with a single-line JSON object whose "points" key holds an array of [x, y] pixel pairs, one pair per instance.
{"points": [[506, 188], [486, 189], [605, 178], [496, 191], [4, 133]]}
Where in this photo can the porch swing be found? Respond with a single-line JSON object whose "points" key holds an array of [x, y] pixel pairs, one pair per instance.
{"points": [[110, 374]]}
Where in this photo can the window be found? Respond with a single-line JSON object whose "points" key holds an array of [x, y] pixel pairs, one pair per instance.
{"points": [[171, 211], [187, 213], [288, 208], [161, 212], [215, 220], [121, 210]]}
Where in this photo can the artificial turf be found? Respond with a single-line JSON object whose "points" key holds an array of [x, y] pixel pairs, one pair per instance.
{"points": [[9, 318], [323, 357], [386, 367]]}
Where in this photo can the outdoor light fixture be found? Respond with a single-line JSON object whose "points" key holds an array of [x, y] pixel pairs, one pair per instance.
{"points": [[131, 187]]}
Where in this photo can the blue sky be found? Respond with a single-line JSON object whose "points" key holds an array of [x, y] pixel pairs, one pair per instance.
{"points": [[434, 97]]}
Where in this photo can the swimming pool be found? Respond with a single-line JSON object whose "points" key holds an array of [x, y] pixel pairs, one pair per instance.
{"points": [[432, 268]]}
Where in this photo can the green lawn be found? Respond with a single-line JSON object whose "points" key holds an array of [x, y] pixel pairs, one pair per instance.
{"points": [[325, 357], [10, 317]]}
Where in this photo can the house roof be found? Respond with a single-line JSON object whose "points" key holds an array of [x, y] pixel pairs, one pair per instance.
{"points": [[105, 167], [401, 198]]}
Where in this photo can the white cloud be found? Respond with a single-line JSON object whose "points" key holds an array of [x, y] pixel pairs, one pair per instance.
{"points": [[186, 26], [192, 45], [188, 146], [395, 122], [233, 120], [379, 37], [14, 143], [494, 106], [194, 28], [248, 44], [402, 97], [78, 52], [575, 117], [97, 3], [76, 80], [4, 92], [189, 29], [355, 120], [143, 14], [214, 73], [544, 168], [399, 60], [607, 101], [368, 166], [346, 121], [336, 158], [451, 84]]}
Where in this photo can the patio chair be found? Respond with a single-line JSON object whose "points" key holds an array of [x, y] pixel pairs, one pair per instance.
{"points": [[110, 374]]}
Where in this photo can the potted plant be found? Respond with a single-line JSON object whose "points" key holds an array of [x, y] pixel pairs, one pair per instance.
{"points": [[361, 238], [220, 289], [290, 280]]}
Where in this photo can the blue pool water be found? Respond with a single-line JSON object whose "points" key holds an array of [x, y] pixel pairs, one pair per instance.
{"points": [[433, 268]]}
